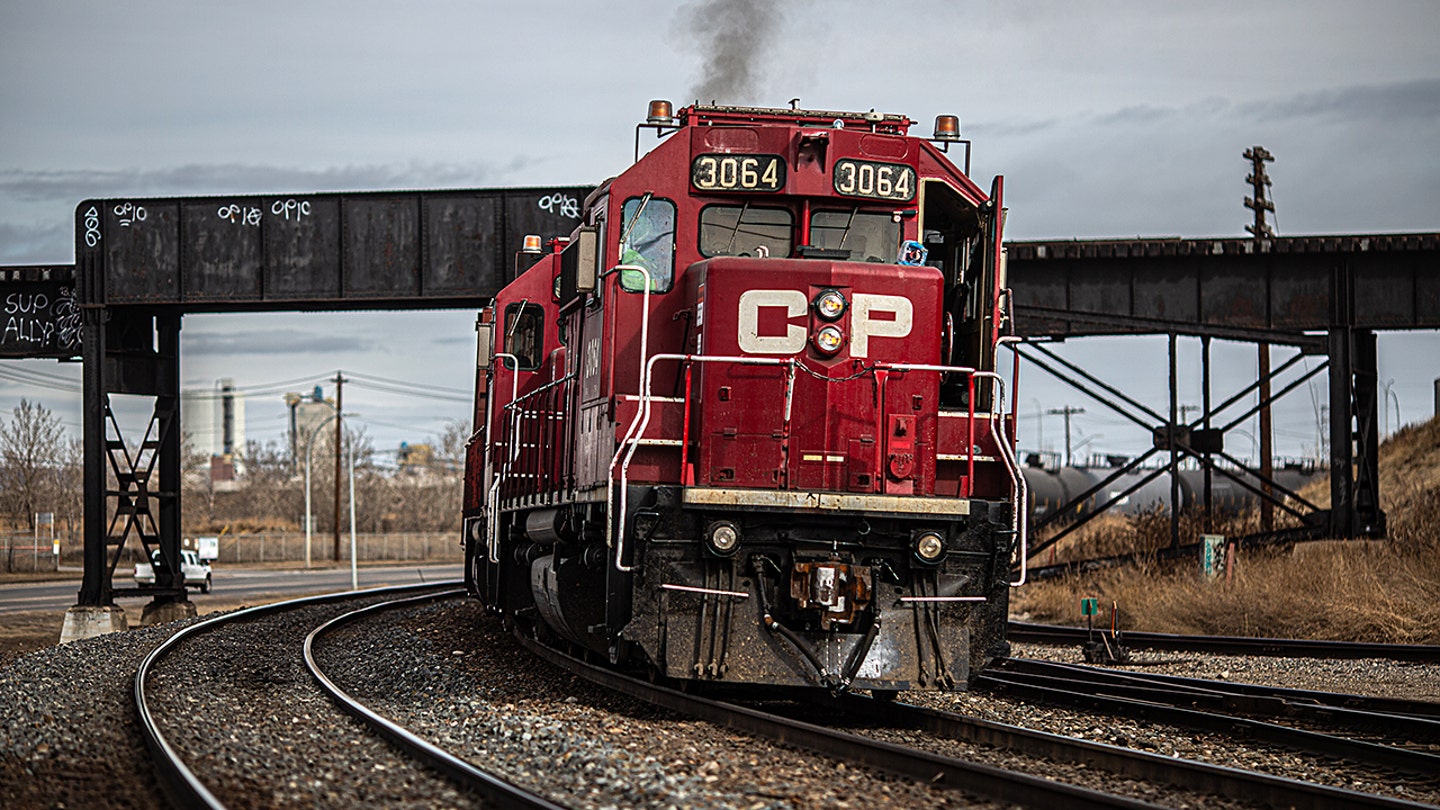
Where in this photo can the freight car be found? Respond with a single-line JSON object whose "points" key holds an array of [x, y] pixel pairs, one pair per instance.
{"points": [[1051, 489], [744, 424]]}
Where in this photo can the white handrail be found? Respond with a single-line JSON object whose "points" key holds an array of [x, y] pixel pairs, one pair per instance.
{"points": [[1018, 519], [491, 507], [637, 430], [1022, 487]]}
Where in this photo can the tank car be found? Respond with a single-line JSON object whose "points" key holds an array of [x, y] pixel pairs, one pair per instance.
{"points": [[744, 425]]}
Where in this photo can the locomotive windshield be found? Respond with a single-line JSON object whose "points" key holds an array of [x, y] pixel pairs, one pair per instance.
{"points": [[870, 237], [746, 230]]}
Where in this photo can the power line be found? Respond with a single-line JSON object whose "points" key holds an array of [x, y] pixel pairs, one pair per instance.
{"points": [[11, 375], [407, 383], [409, 392]]}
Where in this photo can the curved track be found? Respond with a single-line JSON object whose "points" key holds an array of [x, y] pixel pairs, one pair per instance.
{"points": [[978, 779], [1203, 705], [1238, 645], [1234, 783], [177, 776], [502, 793]]}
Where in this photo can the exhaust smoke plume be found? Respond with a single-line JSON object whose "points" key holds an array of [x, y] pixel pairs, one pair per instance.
{"points": [[731, 36]]}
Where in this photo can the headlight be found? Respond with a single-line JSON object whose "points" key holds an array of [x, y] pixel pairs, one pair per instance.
{"points": [[829, 339], [830, 304], [723, 537], [929, 546]]}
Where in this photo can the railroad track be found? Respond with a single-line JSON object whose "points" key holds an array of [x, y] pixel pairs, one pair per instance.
{"points": [[1220, 706], [986, 781], [171, 664], [977, 779], [230, 717], [499, 791], [1231, 645], [1232, 783]]}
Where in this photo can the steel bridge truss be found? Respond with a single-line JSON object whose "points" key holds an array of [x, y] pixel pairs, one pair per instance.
{"points": [[1353, 472]]}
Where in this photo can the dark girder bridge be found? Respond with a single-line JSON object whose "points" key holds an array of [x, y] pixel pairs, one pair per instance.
{"points": [[1321, 294], [144, 263]]}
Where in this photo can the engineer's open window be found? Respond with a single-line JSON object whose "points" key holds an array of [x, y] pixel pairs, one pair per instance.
{"points": [[525, 334], [649, 242]]}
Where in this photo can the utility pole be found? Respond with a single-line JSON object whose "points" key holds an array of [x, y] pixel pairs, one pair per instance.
{"points": [[339, 436], [1259, 184], [1066, 412]]}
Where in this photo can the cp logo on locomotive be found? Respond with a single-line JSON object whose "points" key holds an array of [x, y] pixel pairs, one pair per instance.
{"points": [[870, 316]]}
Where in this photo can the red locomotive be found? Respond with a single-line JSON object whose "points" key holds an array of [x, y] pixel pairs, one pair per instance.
{"points": [[744, 424]]}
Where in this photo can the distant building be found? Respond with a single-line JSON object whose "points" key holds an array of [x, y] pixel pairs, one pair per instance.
{"points": [[307, 412], [214, 424], [415, 458]]}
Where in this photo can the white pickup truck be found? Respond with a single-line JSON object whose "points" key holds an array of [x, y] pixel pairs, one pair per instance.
{"points": [[197, 571]]}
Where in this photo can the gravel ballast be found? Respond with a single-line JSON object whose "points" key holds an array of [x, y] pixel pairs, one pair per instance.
{"points": [[69, 737]]}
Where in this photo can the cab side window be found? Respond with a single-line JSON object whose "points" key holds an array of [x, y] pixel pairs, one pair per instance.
{"points": [[525, 334], [648, 241]]}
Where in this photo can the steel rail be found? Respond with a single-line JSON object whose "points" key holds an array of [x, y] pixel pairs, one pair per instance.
{"points": [[1358, 751], [1237, 645], [1300, 698], [1235, 783], [974, 778], [180, 784], [504, 794], [1257, 701]]}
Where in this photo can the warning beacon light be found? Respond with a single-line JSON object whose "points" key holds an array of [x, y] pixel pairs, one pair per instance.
{"points": [[661, 113], [532, 245], [947, 128]]}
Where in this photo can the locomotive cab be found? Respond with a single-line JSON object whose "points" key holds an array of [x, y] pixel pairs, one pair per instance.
{"points": [[744, 424]]}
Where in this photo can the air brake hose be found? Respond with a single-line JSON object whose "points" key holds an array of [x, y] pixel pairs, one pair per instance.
{"points": [[784, 632], [857, 656]]}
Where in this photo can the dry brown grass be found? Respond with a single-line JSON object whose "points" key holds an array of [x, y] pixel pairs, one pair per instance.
{"points": [[1385, 591]]}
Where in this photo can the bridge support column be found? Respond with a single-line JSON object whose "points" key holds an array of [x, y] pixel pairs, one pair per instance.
{"points": [[126, 353], [1354, 432]]}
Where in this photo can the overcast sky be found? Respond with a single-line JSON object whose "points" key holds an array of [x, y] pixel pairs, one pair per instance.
{"points": [[1109, 119]]}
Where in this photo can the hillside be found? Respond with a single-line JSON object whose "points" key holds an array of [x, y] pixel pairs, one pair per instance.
{"points": [[1382, 591]]}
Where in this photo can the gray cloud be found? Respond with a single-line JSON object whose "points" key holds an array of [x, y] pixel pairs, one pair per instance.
{"points": [[73, 185], [36, 244], [1394, 101], [288, 341], [1417, 99]]}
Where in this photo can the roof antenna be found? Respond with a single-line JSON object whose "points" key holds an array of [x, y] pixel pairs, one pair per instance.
{"points": [[795, 103]]}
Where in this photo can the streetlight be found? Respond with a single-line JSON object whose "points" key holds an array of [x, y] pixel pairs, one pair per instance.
{"points": [[1389, 395], [309, 448], [1039, 425], [310, 518], [1254, 445]]}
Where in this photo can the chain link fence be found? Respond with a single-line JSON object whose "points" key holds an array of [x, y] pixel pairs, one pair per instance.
{"points": [[23, 553], [399, 547], [20, 553]]}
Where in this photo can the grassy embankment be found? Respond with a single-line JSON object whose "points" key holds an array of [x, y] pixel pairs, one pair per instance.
{"points": [[1382, 591]]}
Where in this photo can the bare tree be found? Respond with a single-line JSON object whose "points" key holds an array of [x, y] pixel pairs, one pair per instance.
{"points": [[450, 446], [31, 445]]}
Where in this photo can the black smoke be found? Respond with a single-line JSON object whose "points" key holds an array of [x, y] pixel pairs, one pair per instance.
{"points": [[732, 37]]}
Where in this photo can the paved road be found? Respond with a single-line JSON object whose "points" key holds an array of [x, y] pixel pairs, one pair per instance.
{"points": [[233, 583]]}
